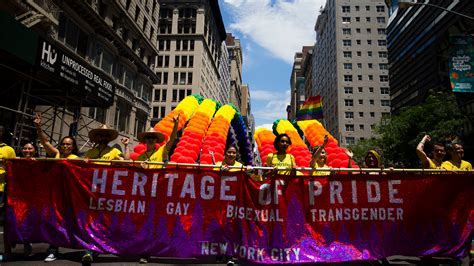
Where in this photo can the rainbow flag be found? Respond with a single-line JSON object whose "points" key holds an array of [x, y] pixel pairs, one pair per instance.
{"points": [[312, 109]]}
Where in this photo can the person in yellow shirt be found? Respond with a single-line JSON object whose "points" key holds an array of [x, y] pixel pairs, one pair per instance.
{"points": [[456, 151], [318, 160], [151, 138], [230, 160], [67, 146], [281, 159], [101, 137], [437, 152], [6, 152]]}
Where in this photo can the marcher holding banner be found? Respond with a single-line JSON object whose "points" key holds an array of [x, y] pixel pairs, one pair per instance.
{"points": [[319, 159], [373, 159], [101, 137], [230, 160], [456, 151], [151, 138], [68, 146], [281, 159], [6, 152], [437, 152]]}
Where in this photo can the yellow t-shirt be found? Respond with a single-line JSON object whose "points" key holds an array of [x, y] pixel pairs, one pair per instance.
{"points": [[152, 156], [433, 164], [448, 165], [231, 169], [320, 173], [108, 153], [6, 152], [70, 156], [288, 161]]}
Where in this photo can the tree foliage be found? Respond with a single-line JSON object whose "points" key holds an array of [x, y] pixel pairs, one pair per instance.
{"points": [[397, 136]]}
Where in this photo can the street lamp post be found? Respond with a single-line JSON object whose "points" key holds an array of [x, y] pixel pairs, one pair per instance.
{"points": [[409, 3]]}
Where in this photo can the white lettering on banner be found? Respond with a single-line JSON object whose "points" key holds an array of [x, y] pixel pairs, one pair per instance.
{"points": [[177, 208], [356, 214], [139, 183], [207, 192], [188, 189], [117, 205], [250, 214], [99, 181], [336, 190], [117, 182], [225, 188]]}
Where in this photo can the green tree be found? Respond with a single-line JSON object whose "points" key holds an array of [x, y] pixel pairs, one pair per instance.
{"points": [[397, 136]]}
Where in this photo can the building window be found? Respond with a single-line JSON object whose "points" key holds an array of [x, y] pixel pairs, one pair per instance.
{"points": [[372, 114], [359, 65], [370, 65], [359, 53], [346, 20], [346, 9], [361, 101], [361, 114], [382, 42], [381, 20], [361, 89], [371, 77], [347, 54], [371, 89], [347, 78], [348, 90], [359, 77], [369, 42], [190, 78], [347, 65], [385, 102], [384, 90], [357, 30], [369, 30], [383, 66], [71, 35], [346, 31], [346, 42], [350, 140], [122, 116], [348, 102], [164, 93], [367, 8], [349, 128], [385, 115], [380, 9], [381, 31], [383, 78], [383, 54], [357, 8], [371, 101], [162, 112], [372, 126], [175, 95], [369, 53], [367, 19], [357, 19], [349, 115], [156, 95], [361, 127], [98, 114], [156, 111], [358, 42]]}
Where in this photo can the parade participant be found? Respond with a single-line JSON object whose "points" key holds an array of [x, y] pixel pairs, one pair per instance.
{"points": [[456, 151], [29, 150], [67, 150], [6, 152], [101, 137], [230, 160], [437, 152], [318, 160], [151, 138], [67, 146], [281, 158], [373, 159]]}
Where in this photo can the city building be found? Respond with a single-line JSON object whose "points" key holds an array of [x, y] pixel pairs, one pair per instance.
{"points": [[418, 49], [224, 74], [190, 36], [235, 57], [80, 63], [299, 80], [350, 67]]}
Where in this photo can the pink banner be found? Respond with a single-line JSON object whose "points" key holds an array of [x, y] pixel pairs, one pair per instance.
{"points": [[196, 213]]}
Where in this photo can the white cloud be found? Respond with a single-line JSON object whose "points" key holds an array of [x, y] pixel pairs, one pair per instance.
{"points": [[282, 27], [268, 106]]}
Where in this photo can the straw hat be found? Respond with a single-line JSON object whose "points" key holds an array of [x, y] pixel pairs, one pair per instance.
{"points": [[94, 134], [151, 132]]}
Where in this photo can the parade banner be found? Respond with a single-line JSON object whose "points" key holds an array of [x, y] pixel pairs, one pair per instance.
{"points": [[184, 212]]}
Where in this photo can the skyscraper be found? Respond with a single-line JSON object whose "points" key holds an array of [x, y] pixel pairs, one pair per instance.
{"points": [[190, 34], [350, 67]]}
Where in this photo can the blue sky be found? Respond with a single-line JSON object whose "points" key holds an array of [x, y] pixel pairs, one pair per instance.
{"points": [[270, 32]]}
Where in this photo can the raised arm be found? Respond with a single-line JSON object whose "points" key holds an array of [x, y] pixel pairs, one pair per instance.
{"points": [[317, 153], [173, 136], [421, 153], [126, 153], [50, 149]]}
